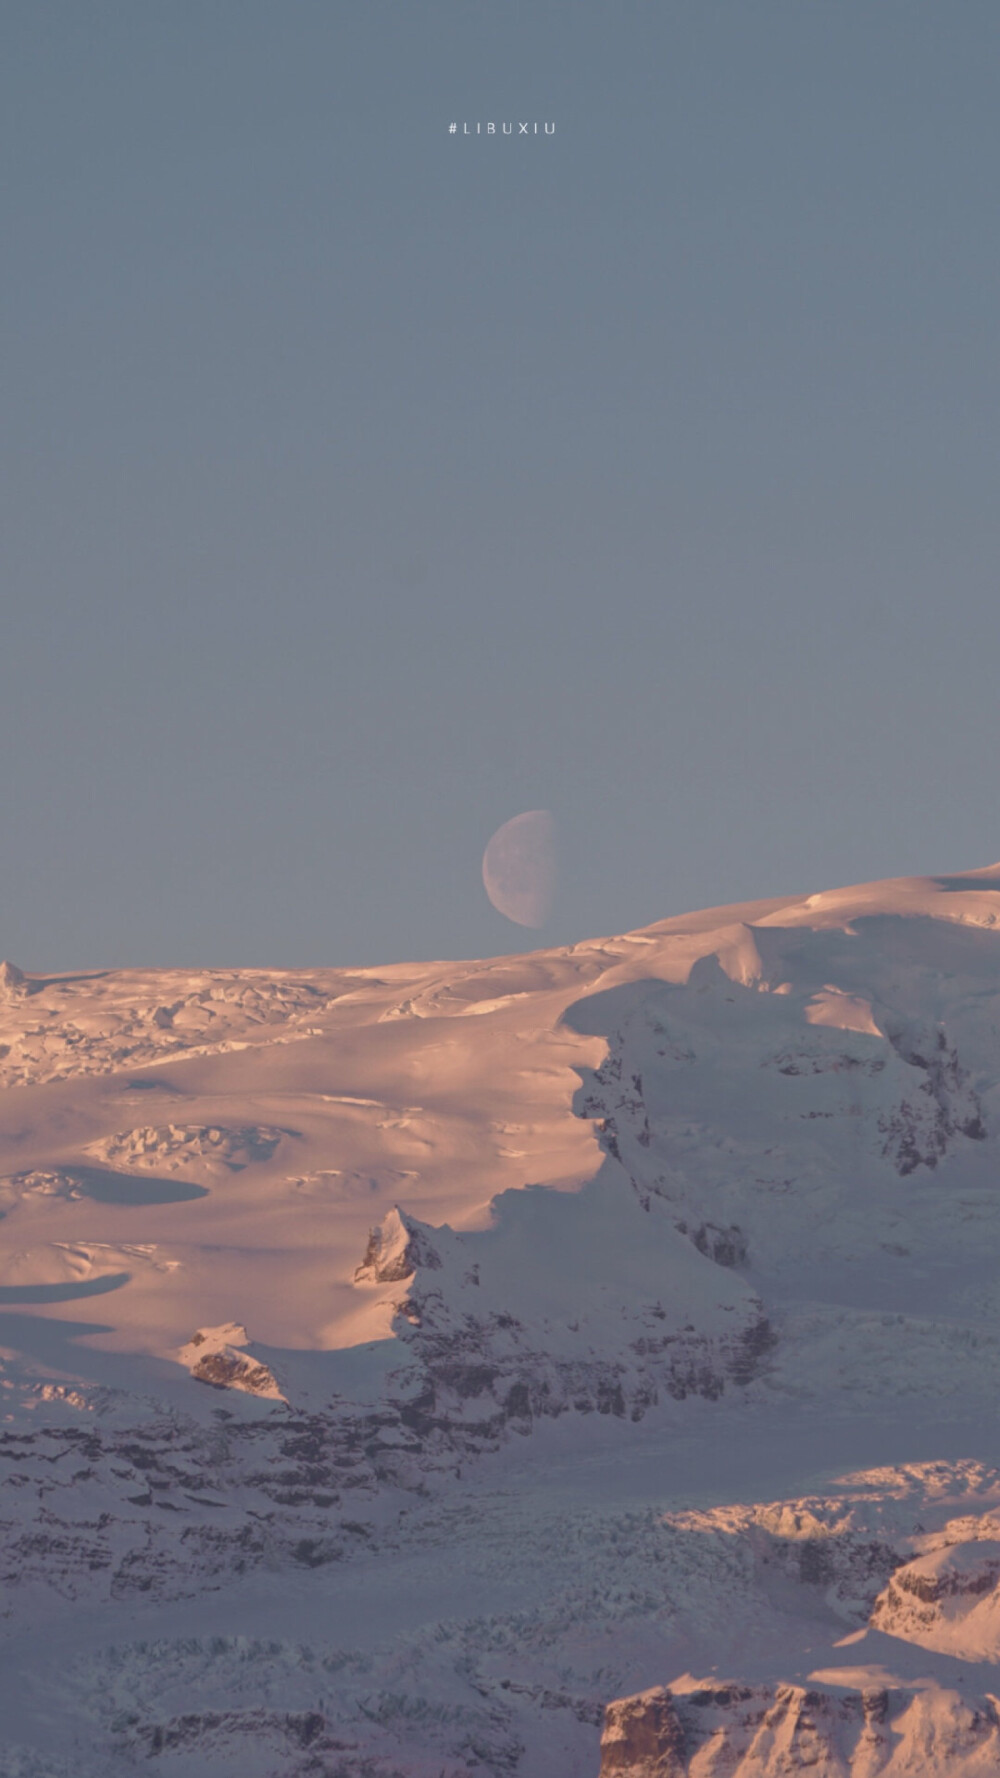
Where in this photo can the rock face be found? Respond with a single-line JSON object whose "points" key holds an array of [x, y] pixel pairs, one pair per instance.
{"points": [[643, 1737], [499, 1334], [948, 1599], [214, 1355], [12, 980], [754, 1731], [727, 1247], [395, 1250]]}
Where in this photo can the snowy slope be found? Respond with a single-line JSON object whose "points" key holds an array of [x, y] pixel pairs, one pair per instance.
{"points": [[449, 1322]]}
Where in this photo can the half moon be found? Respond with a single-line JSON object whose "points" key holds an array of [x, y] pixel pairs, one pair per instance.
{"points": [[519, 868]]}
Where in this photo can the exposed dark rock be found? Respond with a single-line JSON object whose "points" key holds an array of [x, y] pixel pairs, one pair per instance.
{"points": [[395, 1249], [921, 1130], [933, 1588], [664, 1733], [643, 1738], [226, 1369], [727, 1247]]}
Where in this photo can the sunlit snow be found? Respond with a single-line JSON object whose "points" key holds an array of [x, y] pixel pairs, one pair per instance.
{"points": [[423, 1370]]}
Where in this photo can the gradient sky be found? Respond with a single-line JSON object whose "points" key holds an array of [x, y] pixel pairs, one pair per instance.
{"points": [[363, 485]]}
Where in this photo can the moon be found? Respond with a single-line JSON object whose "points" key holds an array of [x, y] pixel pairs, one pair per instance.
{"points": [[519, 868]]}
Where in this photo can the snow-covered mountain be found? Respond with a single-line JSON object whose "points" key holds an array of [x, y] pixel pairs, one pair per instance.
{"points": [[394, 1362]]}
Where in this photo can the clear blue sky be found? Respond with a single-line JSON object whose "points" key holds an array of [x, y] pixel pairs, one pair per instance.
{"points": [[363, 485]]}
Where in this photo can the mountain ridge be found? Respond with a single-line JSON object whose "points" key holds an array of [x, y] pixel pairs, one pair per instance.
{"points": [[374, 1247]]}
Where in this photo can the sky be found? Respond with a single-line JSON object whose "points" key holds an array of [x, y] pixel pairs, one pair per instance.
{"points": [[364, 484]]}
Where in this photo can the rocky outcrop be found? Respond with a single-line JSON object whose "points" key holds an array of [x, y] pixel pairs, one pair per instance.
{"points": [[222, 1733], [921, 1129], [772, 1731], [947, 1599], [727, 1247], [395, 1249], [165, 1505], [643, 1737], [495, 1342], [215, 1355], [959, 1572], [13, 983]]}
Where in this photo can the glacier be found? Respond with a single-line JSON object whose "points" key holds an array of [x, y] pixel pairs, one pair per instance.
{"points": [[569, 1364]]}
